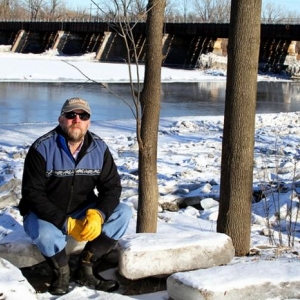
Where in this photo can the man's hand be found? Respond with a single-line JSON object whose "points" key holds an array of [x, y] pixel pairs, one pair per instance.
{"points": [[75, 227], [92, 225]]}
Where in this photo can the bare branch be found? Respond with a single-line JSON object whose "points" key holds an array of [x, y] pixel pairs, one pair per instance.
{"points": [[102, 85]]}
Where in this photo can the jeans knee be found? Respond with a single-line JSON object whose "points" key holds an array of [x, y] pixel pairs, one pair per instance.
{"points": [[117, 224], [48, 238], [44, 238], [125, 212]]}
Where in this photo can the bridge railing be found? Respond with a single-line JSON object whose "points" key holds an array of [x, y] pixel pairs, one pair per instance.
{"points": [[285, 21]]}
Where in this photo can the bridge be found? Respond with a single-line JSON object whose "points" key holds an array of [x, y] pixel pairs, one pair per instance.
{"points": [[182, 44]]}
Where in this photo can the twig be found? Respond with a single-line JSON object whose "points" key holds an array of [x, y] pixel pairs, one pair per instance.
{"points": [[102, 85]]}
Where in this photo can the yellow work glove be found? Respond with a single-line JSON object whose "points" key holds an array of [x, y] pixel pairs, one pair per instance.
{"points": [[92, 225], [75, 228]]}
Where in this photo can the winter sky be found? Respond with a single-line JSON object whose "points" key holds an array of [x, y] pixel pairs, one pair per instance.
{"points": [[291, 5]]}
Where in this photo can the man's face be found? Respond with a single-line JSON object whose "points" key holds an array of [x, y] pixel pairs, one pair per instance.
{"points": [[73, 126]]}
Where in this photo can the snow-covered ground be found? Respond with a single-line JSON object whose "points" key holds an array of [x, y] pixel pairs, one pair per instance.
{"points": [[189, 156]]}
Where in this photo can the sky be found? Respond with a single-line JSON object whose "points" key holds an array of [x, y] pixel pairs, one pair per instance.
{"points": [[291, 5], [189, 156]]}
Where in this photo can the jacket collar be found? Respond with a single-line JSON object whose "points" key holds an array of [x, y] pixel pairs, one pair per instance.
{"points": [[88, 140]]}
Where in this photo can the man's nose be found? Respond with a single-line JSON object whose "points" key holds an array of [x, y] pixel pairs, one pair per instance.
{"points": [[76, 119]]}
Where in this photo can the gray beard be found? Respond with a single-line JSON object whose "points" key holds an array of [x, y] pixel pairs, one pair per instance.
{"points": [[73, 136]]}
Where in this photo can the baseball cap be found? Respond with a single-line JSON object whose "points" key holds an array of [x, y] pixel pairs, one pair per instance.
{"points": [[76, 103]]}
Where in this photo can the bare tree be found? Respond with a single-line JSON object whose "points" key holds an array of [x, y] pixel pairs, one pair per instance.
{"points": [[53, 10], [121, 10], [204, 9], [16, 10], [185, 9], [223, 11], [139, 8], [146, 99], [212, 10], [54, 5], [171, 9], [134, 9], [4, 9], [273, 13], [34, 7], [239, 124], [150, 104]]}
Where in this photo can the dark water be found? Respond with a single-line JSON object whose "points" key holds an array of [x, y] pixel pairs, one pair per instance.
{"points": [[41, 102]]}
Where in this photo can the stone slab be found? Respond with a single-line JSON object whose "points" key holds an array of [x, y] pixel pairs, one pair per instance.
{"points": [[16, 246], [146, 254], [255, 280], [22, 253]]}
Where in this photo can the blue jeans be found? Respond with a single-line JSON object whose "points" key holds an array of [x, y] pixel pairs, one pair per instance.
{"points": [[51, 240]]}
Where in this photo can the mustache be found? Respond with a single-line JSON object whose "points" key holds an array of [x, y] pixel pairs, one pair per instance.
{"points": [[75, 126]]}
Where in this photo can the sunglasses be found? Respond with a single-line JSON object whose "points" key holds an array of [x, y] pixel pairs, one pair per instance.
{"points": [[72, 115]]}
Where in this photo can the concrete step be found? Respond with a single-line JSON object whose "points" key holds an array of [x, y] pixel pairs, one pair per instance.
{"points": [[146, 254], [253, 280]]}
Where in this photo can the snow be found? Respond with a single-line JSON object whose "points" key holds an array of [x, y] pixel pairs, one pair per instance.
{"points": [[189, 156], [52, 67]]}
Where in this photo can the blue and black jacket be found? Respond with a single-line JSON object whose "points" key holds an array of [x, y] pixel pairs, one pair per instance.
{"points": [[54, 185]]}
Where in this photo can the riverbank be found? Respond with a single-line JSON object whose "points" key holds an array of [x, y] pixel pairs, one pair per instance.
{"points": [[85, 68]]}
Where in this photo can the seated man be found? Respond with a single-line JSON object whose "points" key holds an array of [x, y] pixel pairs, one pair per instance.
{"points": [[62, 171]]}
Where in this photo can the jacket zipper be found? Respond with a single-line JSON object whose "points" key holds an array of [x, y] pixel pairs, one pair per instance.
{"points": [[72, 191]]}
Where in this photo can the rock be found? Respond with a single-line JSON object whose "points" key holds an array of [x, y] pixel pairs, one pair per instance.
{"points": [[208, 203], [146, 254], [10, 191], [8, 185], [16, 246], [170, 206], [9, 199], [22, 253], [255, 280], [190, 201]]}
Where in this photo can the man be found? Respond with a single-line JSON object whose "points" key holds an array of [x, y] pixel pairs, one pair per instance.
{"points": [[71, 187]]}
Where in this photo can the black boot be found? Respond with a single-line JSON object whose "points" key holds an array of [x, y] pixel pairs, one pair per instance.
{"points": [[87, 272], [61, 273]]}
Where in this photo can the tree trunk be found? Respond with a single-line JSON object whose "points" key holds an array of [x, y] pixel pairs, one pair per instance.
{"points": [[239, 124], [150, 107]]}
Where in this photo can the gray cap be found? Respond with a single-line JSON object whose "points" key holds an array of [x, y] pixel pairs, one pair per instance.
{"points": [[76, 103]]}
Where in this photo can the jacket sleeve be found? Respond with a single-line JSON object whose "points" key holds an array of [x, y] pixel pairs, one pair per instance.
{"points": [[34, 194], [109, 186]]}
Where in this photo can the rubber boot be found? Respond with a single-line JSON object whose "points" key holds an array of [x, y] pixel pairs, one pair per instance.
{"points": [[90, 260], [61, 273]]}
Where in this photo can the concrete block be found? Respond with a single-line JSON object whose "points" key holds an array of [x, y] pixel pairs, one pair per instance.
{"points": [[16, 246], [254, 280], [147, 254], [22, 253]]}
